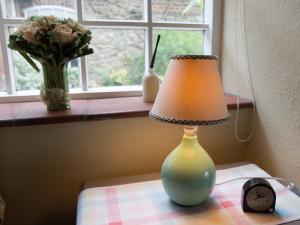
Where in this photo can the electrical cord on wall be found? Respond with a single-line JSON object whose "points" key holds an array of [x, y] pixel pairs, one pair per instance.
{"points": [[288, 184], [238, 14]]}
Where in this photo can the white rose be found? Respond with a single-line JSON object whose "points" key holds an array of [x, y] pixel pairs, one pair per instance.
{"points": [[51, 18], [63, 33], [80, 28], [29, 31]]}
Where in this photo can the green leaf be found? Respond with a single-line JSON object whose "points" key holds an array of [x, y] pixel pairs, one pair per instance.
{"points": [[30, 61], [72, 46], [76, 47]]}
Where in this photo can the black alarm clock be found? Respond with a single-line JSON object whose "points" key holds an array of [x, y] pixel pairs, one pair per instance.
{"points": [[258, 196]]}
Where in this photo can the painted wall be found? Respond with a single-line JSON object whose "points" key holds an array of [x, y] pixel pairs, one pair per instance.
{"points": [[42, 167], [272, 37]]}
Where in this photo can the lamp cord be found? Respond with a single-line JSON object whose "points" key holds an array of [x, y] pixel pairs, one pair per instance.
{"points": [[249, 78], [288, 184]]}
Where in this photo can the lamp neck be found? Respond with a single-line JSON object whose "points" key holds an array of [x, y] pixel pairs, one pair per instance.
{"points": [[189, 138], [190, 131]]}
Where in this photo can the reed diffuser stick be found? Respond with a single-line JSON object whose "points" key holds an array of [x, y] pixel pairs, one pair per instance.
{"points": [[154, 54]]}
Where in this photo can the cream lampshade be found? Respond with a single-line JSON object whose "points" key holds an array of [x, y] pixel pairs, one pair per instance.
{"points": [[191, 94]]}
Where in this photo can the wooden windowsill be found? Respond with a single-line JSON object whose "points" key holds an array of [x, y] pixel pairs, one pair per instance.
{"points": [[33, 113]]}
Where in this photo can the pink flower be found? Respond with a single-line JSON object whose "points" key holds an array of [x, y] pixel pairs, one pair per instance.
{"points": [[81, 29], [63, 33], [29, 31]]}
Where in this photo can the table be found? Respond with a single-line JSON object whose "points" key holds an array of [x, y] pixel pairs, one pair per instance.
{"points": [[101, 202]]}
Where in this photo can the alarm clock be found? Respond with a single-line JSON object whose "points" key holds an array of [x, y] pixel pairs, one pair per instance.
{"points": [[258, 196]]}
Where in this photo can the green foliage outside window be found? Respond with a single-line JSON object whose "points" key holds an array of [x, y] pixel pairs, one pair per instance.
{"points": [[176, 42], [172, 42], [28, 79]]}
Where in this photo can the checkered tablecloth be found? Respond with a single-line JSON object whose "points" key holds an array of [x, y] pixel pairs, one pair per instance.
{"points": [[147, 203]]}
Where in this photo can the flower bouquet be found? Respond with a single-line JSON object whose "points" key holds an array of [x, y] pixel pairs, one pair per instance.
{"points": [[54, 43]]}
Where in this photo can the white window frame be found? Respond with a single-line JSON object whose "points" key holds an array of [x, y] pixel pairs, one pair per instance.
{"points": [[211, 28]]}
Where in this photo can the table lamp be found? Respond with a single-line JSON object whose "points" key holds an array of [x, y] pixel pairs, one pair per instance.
{"points": [[191, 94]]}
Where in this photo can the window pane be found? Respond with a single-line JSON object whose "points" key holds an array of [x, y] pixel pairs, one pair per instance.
{"points": [[118, 59], [74, 74], [175, 42], [28, 79], [114, 9], [27, 8], [2, 77], [178, 10]]}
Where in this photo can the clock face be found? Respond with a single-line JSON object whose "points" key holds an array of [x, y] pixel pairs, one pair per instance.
{"points": [[260, 198]]}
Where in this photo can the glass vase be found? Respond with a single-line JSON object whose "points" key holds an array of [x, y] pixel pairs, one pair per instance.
{"points": [[55, 91]]}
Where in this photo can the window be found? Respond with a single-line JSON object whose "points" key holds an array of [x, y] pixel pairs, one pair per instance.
{"points": [[124, 32], [2, 77]]}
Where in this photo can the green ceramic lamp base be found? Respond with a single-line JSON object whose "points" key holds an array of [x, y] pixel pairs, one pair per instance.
{"points": [[188, 173]]}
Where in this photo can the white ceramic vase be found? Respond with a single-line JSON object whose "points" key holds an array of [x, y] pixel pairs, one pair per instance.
{"points": [[150, 86]]}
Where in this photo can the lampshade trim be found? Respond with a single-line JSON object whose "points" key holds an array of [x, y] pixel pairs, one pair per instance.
{"points": [[208, 57], [190, 122]]}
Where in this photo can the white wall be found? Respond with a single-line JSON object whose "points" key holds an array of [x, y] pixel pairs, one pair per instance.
{"points": [[42, 167], [273, 40]]}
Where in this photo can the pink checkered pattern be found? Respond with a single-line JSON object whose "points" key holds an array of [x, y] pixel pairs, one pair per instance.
{"points": [[147, 203]]}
